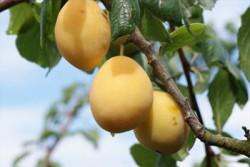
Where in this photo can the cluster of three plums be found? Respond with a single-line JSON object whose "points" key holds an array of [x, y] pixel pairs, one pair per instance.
{"points": [[121, 95]]}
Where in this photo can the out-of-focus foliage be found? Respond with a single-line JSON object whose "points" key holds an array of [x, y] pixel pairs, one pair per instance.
{"points": [[60, 116]]}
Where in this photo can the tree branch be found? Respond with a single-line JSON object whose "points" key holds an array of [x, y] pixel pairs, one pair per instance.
{"points": [[240, 146], [6, 4], [186, 68], [247, 133], [71, 115]]}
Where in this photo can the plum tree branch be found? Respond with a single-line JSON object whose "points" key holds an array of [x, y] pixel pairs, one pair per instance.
{"points": [[6, 4], [64, 128], [71, 115], [240, 146], [247, 133], [186, 68]]}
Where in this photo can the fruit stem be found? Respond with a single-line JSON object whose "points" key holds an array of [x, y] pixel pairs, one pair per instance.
{"points": [[122, 50]]}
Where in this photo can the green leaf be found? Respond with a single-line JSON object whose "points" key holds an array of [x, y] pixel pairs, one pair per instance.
{"points": [[216, 132], [20, 15], [142, 156], [183, 152], [172, 64], [166, 161], [182, 37], [207, 4], [230, 27], [20, 158], [221, 97], [83, 100], [69, 91], [47, 133], [29, 143], [238, 84], [190, 140], [196, 14], [157, 86], [143, 61], [152, 28], [125, 16], [52, 112], [175, 10], [180, 155], [243, 44], [184, 91], [37, 10], [40, 163], [53, 116], [231, 153], [49, 12], [215, 161], [90, 71], [129, 49], [202, 82], [213, 51], [92, 135], [28, 45], [229, 46], [245, 160]]}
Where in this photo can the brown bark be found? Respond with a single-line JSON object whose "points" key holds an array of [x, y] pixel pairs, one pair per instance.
{"points": [[6, 4], [240, 146]]}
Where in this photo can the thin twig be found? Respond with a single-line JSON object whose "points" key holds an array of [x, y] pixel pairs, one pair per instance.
{"points": [[193, 59], [6, 4], [240, 146], [247, 133], [186, 67], [201, 67], [71, 115]]}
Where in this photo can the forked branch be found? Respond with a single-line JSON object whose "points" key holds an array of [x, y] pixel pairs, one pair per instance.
{"points": [[240, 146]]}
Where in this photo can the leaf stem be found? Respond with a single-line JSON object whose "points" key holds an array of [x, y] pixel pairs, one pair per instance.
{"points": [[121, 50]]}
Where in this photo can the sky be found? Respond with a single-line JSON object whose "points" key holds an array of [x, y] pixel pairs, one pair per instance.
{"points": [[26, 93]]}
